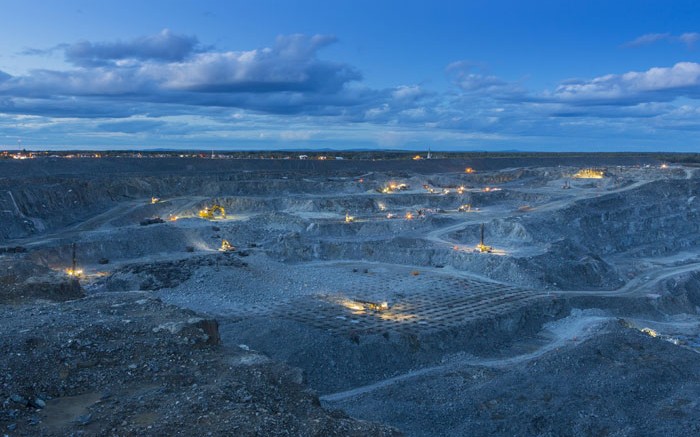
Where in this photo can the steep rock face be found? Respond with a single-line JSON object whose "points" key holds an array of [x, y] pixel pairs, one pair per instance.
{"points": [[30, 206], [567, 265], [24, 281], [653, 219], [679, 294], [166, 274]]}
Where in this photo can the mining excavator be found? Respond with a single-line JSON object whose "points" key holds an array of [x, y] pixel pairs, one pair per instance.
{"points": [[373, 306], [226, 246], [213, 212]]}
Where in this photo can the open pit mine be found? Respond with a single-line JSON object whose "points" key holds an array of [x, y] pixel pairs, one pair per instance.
{"points": [[474, 296]]}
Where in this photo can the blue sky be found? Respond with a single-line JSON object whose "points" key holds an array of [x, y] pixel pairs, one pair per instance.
{"points": [[450, 75]]}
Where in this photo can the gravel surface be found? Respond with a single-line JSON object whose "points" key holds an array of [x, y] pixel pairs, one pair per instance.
{"points": [[621, 382], [470, 341], [123, 364]]}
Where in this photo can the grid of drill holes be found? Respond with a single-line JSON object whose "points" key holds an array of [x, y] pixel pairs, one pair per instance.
{"points": [[419, 304]]}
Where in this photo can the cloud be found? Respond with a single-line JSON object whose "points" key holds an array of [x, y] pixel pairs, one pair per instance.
{"points": [[163, 46], [647, 39], [638, 111], [471, 78], [70, 107], [83, 82], [290, 65], [167, 69], [169, 87], [657, 84], [688, 38], [408, 93]]}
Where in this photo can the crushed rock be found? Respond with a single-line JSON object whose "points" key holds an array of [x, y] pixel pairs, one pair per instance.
{"points": [[128, 364]]}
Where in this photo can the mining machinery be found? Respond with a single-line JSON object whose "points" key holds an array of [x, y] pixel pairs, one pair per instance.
{"points": [[213, 212], [481, 246], [226, 246]]}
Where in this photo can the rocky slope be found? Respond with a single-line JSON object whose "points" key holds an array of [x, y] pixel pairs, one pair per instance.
{"points": [[127, 364]]}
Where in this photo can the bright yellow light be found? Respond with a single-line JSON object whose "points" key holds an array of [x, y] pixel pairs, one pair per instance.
{"points": [[417, 158], [650, 332], [210, 212], [484, 248], [461, 189], [393, 186], [490, 189], [154, 200], [358, 307], [409, 216], [664, 165], [589, 173], [226, 246], [352, 305], [75, 273], [173, 218], [380, 309], [349, 218], [469, 170]]}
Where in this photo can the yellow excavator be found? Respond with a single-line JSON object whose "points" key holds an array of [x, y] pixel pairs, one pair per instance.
{"points": [[226, 246], [213, 212]]}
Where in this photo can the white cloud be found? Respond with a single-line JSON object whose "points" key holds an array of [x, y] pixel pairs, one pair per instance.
{"points": [[688, 38], [646, 39], [377, 112], [471, 78], [287, 77], [163, 46], [407, 92], [655, 84]]}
